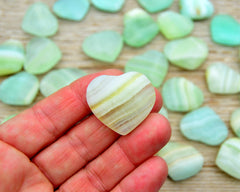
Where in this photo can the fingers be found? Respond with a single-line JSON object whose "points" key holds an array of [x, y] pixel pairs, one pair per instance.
{"points": [[103, 173], [37, 127], [147, 177]]}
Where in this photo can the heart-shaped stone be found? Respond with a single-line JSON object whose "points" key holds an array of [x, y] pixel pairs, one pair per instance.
{"points": [[121, 102], [225, 30]]}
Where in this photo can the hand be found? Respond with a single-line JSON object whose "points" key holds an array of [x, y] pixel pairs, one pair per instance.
{"points": [[59, 145]]}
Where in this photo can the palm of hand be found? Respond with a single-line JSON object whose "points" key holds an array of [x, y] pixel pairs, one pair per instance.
{"points": [[46, 149]]}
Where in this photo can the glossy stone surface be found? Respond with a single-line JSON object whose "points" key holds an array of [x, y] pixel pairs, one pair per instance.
{"points": [[42, 54], [74, 10], [196, 9], [121, 102], [225, 30], [183, 160], [154, 6], [108, 5], [103, 46], [181, 95], [152, 63], [235, 122], [19, 89], [205, 126], [39, 21], [12, 56], [59, 78], [139, 28], [174, 25], [228, 157], [188, 53], [222, 79]]}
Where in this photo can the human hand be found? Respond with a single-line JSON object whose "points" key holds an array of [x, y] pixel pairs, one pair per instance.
{"points": [[59, 145]]}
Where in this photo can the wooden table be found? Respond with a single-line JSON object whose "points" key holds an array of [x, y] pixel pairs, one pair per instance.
{"points": [[70, 37]]}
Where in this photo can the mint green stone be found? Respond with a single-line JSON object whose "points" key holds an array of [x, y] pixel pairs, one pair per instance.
{"points": [[19, 89], [12, 56], [59, 78], [188, 53], [205, 126], [39, 21], [42, 54], [235, 122], [221, 79], [7, 118], [163, 111], [174, 25], [153, 64], [196, 9], [225, 30], [184, 161], [139, 28], [74, 10], [228, 157], [103, 46], [108, 5], [154, 6], [181, 95]]}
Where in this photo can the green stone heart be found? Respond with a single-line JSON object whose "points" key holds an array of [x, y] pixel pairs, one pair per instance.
{"points": [[108, 5], [19, 89], [39, 21], [139, 28], [153, 64], [235, 122], [181, 95], [154, 6], [225, 30], [188, 53], [42, 54], [183, 160], [74, 10], [12, 56], [173, 25], [196, 9], [59, 78], [205, 126], [103, 46]]}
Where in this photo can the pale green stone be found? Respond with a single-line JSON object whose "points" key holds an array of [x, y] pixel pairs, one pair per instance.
{"points": [[205, 126], [7, 118], [139, 28], [228, 158], [42, 54], [12, 57], [163, 111], [103, 46], [196, 9], [154, 6], [59, 78], [225, 30], [235, 122], [188, 53], [183, 160], [19, 89], [74, 10], [108, 5], [153, 64], [39, 21], [174, 25], [180, 94], [222, 79]]}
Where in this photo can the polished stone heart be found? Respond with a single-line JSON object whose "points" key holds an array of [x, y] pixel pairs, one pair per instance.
{"points": [[121, 102]]}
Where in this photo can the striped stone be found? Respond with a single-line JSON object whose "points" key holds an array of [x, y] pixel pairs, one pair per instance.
{"points": [[121, 102]]}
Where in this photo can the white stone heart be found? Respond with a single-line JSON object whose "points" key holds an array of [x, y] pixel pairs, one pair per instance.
{"points": [[121, 102]]}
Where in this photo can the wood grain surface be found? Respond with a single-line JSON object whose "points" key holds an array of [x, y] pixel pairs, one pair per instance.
{"points": [[70, 37]]}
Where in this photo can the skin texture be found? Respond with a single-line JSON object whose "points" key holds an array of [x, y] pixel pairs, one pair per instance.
{"points": [[58, 145]]}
